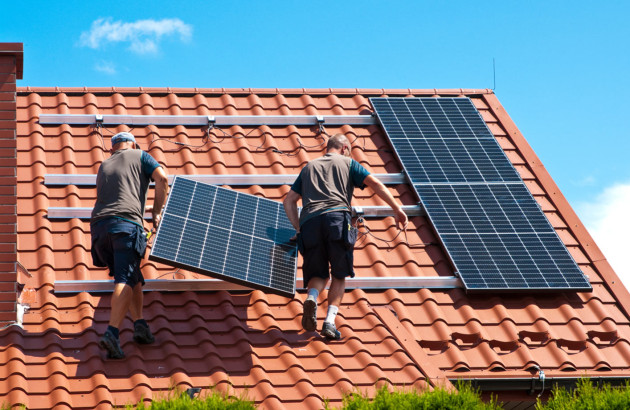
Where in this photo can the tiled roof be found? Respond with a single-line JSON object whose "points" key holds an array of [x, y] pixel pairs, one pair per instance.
{"points": [[250, 341]]}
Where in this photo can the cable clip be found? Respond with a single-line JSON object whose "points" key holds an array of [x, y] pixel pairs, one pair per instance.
{"points": [[358, 211]]}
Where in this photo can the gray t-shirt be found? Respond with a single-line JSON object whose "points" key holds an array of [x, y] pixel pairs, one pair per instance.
{"points": [[122, 183], [327, 183]]}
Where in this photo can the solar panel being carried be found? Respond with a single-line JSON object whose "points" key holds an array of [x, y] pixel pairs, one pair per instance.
{"points": [[494, 231], [233, 236]]}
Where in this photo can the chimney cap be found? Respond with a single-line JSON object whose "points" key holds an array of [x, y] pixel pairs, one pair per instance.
{"points": [[17, 50]]}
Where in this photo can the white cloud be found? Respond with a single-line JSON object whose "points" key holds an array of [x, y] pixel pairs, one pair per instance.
{"points": [[106, 67], [143, 36], [607, 219]]}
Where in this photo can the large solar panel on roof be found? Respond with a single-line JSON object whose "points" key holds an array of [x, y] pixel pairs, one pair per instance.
{"points": [[493, 229], [233, 236]]}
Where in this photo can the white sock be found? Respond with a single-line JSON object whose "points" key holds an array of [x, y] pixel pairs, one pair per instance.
{"points": [[313, 292], [332, 314]]}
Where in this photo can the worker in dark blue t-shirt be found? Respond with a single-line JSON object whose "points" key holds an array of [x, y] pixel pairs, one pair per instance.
{"points": [[325, 235], [118, 235]]}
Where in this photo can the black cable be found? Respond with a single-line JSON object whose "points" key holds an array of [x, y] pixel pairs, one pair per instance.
{"points": [[368, 232]]}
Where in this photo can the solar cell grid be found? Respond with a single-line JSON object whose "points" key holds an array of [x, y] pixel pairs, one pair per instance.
{"points": [[233, 236], [461, 160], [495, 208], [491, 226]]}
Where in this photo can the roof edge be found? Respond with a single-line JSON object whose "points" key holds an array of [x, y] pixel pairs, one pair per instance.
{"points": [[574, 224], [534, 385], [248, 91]]}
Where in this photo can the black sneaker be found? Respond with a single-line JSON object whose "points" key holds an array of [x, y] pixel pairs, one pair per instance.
{"points": [[330, 332], [110, 343], [309, 316], [142, 334]]}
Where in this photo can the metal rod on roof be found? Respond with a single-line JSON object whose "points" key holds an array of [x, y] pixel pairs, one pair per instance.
{"points": [[202, 120], [229, 179], [178, 285], [60, 212]]}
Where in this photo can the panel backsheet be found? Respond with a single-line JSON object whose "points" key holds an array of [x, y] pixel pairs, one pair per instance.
{"points": [[493, 229], [233, 236]]}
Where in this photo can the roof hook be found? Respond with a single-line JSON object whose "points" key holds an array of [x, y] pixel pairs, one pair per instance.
{"points": [[98, 118], [541, 377], [320, 123]]}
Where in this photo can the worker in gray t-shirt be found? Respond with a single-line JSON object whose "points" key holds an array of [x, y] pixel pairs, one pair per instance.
{"points": [[325, 235], [118, 235]]}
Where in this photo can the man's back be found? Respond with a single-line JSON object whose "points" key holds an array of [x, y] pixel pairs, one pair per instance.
{"points": [[121, 186], [327, 184]]}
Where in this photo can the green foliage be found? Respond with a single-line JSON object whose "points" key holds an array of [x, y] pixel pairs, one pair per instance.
{"points": [[182, 401], [466, 398], [588, 397]]}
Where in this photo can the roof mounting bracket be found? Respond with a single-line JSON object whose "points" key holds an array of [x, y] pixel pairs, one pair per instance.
{"points": [[98, 119], [211, 121], [320, 119], [358, 211]]}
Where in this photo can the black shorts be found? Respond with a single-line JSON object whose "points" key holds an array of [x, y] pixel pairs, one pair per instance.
{"points": [[117, 244], [322, 238]]}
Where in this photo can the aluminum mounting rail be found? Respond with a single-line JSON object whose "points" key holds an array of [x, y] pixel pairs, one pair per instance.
{"points": [[202, 120], [179, 285], [229, 179], [366, 211]]}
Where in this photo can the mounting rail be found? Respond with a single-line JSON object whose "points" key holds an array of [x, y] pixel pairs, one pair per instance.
{"points": [[59, 212], [179, 285], [202, 120], [227, 179]]}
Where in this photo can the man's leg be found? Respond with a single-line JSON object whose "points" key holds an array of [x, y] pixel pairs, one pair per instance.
{"points": [[120, 304], [309, 315], [137, 301], [141, 332], [336, 291], [121, 300], [335, 295]]}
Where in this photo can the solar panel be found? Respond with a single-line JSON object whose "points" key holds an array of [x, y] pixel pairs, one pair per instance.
{"points": [[229, 235], [494, 231]]}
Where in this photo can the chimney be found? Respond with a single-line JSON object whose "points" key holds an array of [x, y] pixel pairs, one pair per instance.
{"points": [[11, 62]]}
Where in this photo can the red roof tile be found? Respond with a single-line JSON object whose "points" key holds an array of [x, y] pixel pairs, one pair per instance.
{"points": [[249, 341]]}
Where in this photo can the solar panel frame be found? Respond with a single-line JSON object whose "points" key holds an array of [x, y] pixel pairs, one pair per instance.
{"points": [[475, 198], [230, 235]]}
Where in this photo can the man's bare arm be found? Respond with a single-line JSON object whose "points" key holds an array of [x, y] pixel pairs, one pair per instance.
{"points": [[161, 191], [291, 208], [381, 190]]}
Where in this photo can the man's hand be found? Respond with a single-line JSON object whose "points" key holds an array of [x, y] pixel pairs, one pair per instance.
{"points": [[161, 191], [157, 218], [401, 219]]}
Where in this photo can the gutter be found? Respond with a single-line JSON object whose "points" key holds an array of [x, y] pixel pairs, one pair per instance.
{"points": [[535, 385]]}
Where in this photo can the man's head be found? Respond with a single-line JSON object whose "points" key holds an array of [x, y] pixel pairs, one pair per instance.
{"points": [[338, 143], [123, 140]]}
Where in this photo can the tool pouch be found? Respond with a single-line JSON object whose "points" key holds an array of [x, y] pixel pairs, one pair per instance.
{"points": [[349, 232], [141, 242]]}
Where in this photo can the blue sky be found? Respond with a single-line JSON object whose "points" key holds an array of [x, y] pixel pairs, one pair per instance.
{"points": [[562, 67]]}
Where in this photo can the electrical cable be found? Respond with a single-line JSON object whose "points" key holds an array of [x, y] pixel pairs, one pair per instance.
{"points": [[368, 232]]}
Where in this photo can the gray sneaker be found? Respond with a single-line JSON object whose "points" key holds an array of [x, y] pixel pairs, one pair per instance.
{"points": [[309, 316], [110, 343], [142, 334], [330, 332]]}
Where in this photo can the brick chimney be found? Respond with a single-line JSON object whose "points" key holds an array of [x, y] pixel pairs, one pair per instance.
{"points": [[11, 63]]}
